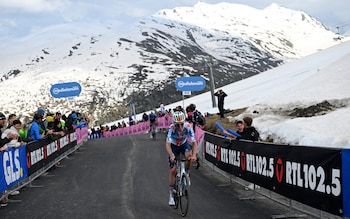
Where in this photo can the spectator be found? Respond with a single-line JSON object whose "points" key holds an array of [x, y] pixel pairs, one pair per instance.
{"points": [[195, 117], [71, 121], [56, 128], [239, 130], [144, 117], [49, 121], [240, 127], [58, 123], [9, 137], [14, 129], [10, 120], [221, 96], [131, 121], [23, 133], [3, 141], [250, 133], [123, 124], [34, 131], [178, 108]]}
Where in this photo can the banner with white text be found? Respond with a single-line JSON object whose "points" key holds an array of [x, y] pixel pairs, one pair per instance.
{"points": [[13, 167], [41, 153], [310, 175]]}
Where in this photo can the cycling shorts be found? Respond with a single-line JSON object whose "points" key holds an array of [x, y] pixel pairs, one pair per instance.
{"points": [[177, 150]]}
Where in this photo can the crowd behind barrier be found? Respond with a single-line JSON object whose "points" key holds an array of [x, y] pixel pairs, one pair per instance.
{"points": [[317, 177], [21, 165]]}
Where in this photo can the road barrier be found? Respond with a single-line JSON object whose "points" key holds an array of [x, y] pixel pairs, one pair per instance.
{"points": [[315, 176], [20, 166]]}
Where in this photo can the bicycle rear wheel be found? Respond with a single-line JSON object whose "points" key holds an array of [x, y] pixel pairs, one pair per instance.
{"points": [[184, 195]]}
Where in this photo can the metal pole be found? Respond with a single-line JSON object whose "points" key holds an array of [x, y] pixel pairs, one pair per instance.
{"points": [[183, 100], [212, 86]]}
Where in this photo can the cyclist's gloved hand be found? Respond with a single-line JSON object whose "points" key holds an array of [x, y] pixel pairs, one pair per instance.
{"points": [[193, 158], [172, 158]]}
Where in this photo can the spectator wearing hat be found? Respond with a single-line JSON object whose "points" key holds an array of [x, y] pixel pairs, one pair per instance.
{"points": [[34, 131], [70, 123], [44, 123]]}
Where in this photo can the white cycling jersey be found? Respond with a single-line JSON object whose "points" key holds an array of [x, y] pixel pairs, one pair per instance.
{"points": [[176, 139]]}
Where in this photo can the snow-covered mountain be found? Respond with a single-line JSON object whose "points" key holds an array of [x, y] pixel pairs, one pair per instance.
{"points": [[140, 65]]}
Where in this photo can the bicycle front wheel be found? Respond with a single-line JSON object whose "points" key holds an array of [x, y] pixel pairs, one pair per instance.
{"points": [[184, 197]]}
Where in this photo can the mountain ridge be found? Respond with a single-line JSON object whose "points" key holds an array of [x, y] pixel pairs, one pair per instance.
{"points": [[142, 64]]}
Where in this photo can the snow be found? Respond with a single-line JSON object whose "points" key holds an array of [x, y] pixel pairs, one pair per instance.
{"points": [[251, 23], [305, 82], [318, 77]]}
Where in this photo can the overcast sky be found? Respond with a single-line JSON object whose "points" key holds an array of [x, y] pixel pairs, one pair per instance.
{"points": [[20, 17]]}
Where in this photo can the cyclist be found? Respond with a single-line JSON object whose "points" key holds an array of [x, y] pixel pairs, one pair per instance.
{"points": [[176, 143], [152, 122]]}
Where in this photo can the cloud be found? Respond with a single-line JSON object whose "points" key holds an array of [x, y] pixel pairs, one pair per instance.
{"points": [[35, 6]]}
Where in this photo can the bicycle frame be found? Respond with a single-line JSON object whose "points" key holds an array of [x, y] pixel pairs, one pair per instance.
{"points": [[182, 187]]}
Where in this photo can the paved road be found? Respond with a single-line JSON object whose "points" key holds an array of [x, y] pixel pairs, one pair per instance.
{"points": [[126, 177]]}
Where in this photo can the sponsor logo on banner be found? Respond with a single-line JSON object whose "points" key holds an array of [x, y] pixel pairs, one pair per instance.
{"points": [[314, 173], [194, 83], [65, 90], [13, 167]]}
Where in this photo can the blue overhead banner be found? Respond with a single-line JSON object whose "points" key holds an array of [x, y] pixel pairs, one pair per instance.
{"points": [[195, 83], [63, 90]]}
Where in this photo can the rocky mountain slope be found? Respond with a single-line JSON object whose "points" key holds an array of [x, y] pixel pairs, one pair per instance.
{"points": [[141, 64]]}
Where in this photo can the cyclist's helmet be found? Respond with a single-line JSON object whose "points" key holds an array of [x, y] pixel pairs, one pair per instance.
{"points": [[178, 117]]}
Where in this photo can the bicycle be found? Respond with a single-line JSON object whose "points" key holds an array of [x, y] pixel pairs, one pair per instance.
{"points": [[182, 187]]}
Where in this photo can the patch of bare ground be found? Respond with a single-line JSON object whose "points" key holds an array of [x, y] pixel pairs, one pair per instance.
{"points": [[226, 123]]}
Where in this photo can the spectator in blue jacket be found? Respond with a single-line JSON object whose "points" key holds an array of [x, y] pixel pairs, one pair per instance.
{"points": [[34, 131]]}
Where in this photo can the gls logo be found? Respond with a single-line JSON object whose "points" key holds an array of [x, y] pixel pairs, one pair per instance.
{"points": [[12, 166]]}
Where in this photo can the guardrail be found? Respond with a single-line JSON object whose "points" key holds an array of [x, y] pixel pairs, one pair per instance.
{"points": [[316, 177], [21, 166]]}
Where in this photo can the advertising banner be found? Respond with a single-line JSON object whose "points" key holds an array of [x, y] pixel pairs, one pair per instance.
{"points": [[309, 175], [13, 167], [142, 127], [194, 83], [346, 182], [64, 90], [41, 153], [81, 133]]}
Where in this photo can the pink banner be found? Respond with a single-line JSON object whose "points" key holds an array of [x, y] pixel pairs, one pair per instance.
{"points": [[81, 133], [142, 127]]}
